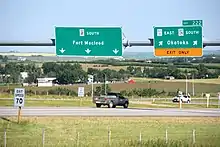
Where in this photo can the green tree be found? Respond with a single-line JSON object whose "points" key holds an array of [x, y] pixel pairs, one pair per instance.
{"points": [[100, 90], [202, 71], [5, 59], [49, 67]]}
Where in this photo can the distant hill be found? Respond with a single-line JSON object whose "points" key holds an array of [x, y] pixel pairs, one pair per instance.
{"points": [[52, 56]]}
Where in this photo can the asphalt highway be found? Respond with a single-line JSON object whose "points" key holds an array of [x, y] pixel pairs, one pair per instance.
{"points": [[143, 100], [89, 111]]}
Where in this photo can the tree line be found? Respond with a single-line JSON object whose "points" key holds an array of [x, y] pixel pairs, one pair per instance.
{"points": [[71, 73], [99, 90], [178, 62]]}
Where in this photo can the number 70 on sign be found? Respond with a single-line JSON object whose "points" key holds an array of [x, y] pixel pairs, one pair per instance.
{"points": [[19, 95]]}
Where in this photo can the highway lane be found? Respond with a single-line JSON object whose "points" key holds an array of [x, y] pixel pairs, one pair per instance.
{"points": [[167, 102], [134, 101], [89, 111]]}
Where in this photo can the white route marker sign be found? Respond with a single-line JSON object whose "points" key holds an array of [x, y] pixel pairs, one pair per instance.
{"points": [[81, 92], [19, 95]]}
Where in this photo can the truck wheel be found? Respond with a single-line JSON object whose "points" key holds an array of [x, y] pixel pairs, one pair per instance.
{"points": [[110, 105], [98, 105], [188, 101], [126, 105]]}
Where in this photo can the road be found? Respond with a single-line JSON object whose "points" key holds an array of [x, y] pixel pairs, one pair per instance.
{"points": [[134, 101], [143, 100], [89, 111]]}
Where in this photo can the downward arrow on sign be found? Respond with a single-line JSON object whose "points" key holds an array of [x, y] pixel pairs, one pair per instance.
{"points": [[87, 51], [115, 51], [62, 50]]}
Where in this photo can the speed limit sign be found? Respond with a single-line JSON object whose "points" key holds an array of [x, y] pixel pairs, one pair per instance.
{"points": [[19, 95]]}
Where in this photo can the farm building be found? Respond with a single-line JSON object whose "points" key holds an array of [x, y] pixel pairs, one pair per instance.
{"points": [[45, 82]]}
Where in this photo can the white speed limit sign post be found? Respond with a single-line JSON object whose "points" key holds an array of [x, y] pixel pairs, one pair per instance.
{"points": [[19, 95]]}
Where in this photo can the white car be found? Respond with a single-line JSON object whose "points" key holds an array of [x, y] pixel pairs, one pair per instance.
{"points": [[183, 98]]}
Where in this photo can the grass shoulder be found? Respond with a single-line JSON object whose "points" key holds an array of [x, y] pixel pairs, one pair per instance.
{"points": [[125, 131]]}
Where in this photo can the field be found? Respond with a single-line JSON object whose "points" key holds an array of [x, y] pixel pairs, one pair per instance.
{"points": [[98, 66], [101, 67], [166, 85], [201, 81], [117, 131]]}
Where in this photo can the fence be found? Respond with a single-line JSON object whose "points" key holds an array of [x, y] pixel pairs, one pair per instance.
{"points": [[43, 138]]}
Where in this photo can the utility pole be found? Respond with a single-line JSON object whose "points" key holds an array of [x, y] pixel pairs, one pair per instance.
{"points": [[91, 79], [186, 85], [92, 87], [105, 83], [193, 85]]}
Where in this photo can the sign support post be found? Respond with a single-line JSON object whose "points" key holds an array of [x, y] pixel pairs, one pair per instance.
{"points": [[19, 114], [180, 103], [91, 80], [218, 99]]}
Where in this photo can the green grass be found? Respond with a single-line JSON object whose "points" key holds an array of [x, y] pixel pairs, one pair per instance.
{"points": [[184, 105], [88, 103], [125, 131], [204, 100], [201, 100], [45, 96], [64, 103]]}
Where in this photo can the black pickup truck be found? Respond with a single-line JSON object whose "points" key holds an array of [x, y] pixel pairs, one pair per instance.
{"points": [[112, 100]]}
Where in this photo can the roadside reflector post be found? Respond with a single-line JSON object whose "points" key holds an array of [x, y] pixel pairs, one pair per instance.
{"points": [[166, 136], [5, 138], [207, 96], [194, 136], [43, 137], [77, 139], [180, 103], [218, 99], [140, 137], [109, 136]]}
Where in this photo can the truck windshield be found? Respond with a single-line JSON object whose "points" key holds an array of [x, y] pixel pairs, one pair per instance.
{"points": [[115, 94]]}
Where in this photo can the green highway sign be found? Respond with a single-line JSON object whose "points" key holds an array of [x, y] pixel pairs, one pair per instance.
{"points": [[192, 22], [88, 41], [178, 41]]}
